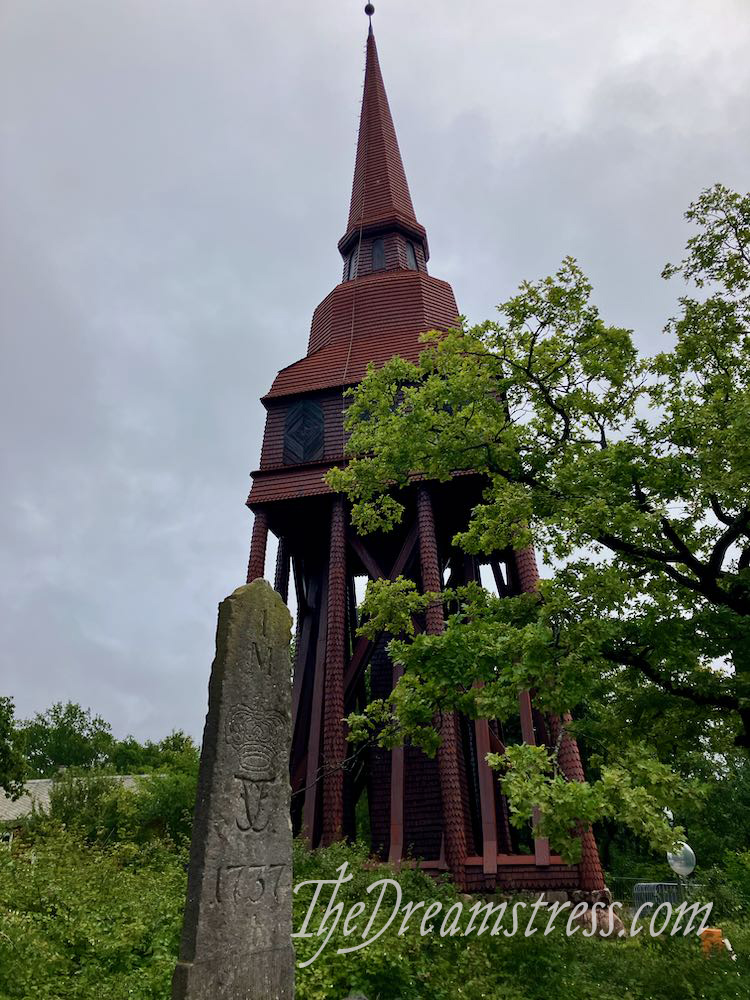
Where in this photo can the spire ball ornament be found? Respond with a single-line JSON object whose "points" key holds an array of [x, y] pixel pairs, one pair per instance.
{"points": [[369, 10]]}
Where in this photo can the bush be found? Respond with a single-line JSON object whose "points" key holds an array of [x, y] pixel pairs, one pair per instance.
{"points": [[165, 803], [101, 808], [100, 921], [84, 922], [517, 968], [728, 885]]}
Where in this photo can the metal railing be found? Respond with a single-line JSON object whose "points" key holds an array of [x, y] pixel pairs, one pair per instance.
{"points": [[637, 891]]}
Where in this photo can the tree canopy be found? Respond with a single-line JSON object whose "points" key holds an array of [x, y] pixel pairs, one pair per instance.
{"points": [[69, 736], [12, 763], [630, 475]]}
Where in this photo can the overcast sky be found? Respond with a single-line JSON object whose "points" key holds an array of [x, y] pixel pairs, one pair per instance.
{"points": [[174, 177]]}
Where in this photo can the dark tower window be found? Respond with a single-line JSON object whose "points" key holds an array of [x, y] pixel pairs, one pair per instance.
{"points": [[351, 267], [378, 255], [411, 256], [304, 433]]}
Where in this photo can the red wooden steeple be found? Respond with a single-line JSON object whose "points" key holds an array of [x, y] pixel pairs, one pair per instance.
{"points": [[450, 811], [384, 303]]}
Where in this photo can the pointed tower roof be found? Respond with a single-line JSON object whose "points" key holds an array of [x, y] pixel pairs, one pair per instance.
{"points": [[380, 192], [379, 310]]}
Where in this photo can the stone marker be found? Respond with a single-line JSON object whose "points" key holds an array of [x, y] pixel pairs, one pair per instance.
{"points": [[236, 937]]}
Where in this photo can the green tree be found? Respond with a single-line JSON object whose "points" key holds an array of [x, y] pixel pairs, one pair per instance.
{"points": [[176, 752], [12, 764], [66, 735], [631, 476]]}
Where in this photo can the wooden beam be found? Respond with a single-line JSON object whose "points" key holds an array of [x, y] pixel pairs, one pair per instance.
{"points": [[402, 559], [363, 648], [299, 585], [407, 550], [541, 844], [312, 783], [396, 849], [496, 744], [368, 561], [502, 588], [334, 727], [449, 769], [486, 798], [302, 653], [357, 664], [299, 773], [281, 577]]}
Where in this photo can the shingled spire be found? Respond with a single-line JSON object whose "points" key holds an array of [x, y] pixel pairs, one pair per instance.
{"points": [[380, 193]]}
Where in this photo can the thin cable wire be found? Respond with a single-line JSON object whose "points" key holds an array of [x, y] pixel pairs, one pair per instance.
{"points": [[366, 120]]}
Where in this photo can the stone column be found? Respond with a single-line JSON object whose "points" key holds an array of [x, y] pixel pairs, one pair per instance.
{"points": [[236, 937], [454, 831], [334, 733], [256, 567]]}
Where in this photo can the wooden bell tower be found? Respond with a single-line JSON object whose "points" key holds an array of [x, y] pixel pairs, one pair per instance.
{"points": [[449, 811]]}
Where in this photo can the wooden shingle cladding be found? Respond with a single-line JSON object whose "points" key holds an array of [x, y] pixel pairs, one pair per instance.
{"points": [[372, 318], [288, 484], [380, 190]]}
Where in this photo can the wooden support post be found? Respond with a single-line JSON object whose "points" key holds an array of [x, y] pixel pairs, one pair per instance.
{"points": [[369, 562], [541, 844], [454, 827], [528, 574], [569, 759], [357, 664], [396, 848], [256, 566], [351, 615], [334, 734], [305, 615], [502, 588], [485, 778], [281, 578], [486, 798], [312, 778], [528, 578], [497, 746]]}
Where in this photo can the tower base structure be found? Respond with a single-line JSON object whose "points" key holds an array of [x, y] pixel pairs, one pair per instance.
{"points": [[442, 814]]}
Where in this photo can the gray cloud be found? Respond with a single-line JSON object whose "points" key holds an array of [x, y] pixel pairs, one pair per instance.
{"points": [[173, 180]]}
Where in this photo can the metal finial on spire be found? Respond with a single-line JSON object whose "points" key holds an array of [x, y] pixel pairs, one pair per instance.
{"points": [[370, 10]]}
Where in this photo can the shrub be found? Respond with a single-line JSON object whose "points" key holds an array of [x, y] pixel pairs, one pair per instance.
{"points": [[101, 921], [728, 885], [84, 922], [101, 808], [514, 968]]}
